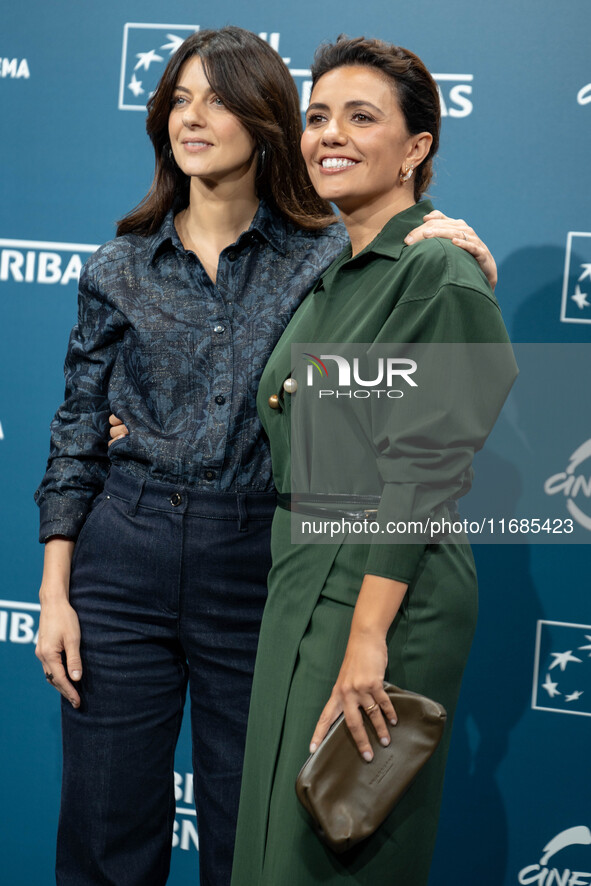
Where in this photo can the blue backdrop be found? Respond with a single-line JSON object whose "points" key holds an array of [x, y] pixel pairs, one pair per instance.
{"points": [[514, 161]]}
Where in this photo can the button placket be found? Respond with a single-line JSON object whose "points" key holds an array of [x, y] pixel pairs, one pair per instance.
{"points": [[222, 349]]}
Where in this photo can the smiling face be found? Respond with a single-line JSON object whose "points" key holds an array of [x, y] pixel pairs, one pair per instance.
{"points": [[356, 143], [207, 141]]}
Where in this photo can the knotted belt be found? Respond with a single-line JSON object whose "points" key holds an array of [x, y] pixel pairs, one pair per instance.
{"points": [[337, 505]]}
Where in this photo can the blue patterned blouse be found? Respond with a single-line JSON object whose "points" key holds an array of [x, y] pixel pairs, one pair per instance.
{"points": [[178, 359]]}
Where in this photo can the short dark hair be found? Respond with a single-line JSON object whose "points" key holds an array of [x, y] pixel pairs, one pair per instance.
{"points": [[256, 86], [415, 88]]}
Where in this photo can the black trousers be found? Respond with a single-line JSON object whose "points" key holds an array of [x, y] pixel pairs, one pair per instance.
{"points": [[169, 586]]}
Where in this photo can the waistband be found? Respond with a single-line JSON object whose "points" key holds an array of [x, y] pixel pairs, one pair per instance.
{"points": [[178, 499]]}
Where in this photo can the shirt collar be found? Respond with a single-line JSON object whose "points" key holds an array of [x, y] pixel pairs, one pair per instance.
{"points": [[164, 237], [389, 242], [271, 225], [267, 223]]}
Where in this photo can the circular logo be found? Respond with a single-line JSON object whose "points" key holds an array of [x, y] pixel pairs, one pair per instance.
{"points": [[575, 483]]}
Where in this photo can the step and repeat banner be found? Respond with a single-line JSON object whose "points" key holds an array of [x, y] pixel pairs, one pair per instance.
{"points": [[515, 83]]}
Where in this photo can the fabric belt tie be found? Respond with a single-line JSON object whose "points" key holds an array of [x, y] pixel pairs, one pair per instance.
{"points": [[336, 505], [354, 507]]}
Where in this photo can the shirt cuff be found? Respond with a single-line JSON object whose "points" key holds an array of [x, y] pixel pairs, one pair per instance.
{"points": [[63, 516], [398, 562]]}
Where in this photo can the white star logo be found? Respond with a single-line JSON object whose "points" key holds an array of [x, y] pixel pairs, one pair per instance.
{"points": [[174, 44], [550, 687], [580, 298], [562, 659], [574, 696], [136, 86], [587, 637], [146, 59], [586, 272]]}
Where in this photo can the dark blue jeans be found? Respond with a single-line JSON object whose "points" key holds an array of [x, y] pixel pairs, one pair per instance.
{"points": [[169, 586]]}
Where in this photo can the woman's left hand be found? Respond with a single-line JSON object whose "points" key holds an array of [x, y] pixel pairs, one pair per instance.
{"points": [[360, 685], [436, 224], [117, 429]]}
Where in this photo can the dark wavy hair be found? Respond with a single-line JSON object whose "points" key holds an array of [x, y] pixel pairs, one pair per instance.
{"points": [[255, 85], [414, 86]]}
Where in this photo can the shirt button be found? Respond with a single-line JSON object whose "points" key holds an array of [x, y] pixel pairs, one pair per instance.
{"points": [[232, 256], [175, 499], [219, 329], [210, 475], [220, 400]]}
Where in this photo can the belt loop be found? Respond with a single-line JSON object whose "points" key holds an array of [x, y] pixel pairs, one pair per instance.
{"points": [[135, 498], [242, 512]]}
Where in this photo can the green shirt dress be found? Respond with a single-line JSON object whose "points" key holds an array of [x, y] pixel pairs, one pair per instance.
{"points": [[431, 292]]}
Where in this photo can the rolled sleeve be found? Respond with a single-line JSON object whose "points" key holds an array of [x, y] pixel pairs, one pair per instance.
{"points": [[426, 446]]}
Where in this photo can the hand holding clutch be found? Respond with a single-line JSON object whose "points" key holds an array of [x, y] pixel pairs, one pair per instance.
{"points": [[349, 798]]}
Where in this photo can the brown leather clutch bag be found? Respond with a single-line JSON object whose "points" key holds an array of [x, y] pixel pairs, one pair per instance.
{"points": [[349, 798]]}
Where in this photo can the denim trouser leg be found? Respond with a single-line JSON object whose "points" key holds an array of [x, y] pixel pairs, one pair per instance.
{"points": [[163, 591]]}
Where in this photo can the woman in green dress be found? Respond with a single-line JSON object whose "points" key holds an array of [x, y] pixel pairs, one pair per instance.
{"points": [[340, 617]]}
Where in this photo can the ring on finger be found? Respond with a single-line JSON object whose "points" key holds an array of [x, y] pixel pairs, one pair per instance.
{"points": [[463, 235], [371, 708], [48, 677]]}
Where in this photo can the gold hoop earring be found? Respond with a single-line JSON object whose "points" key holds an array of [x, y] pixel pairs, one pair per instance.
{"points": [[406, 176]]}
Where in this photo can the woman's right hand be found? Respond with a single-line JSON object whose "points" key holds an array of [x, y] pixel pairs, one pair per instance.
{"points": [[360, 683], [59, 629], [118, 429]]}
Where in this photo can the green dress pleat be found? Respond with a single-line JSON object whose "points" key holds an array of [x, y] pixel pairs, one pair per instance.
{"points": [[303, 641]]}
